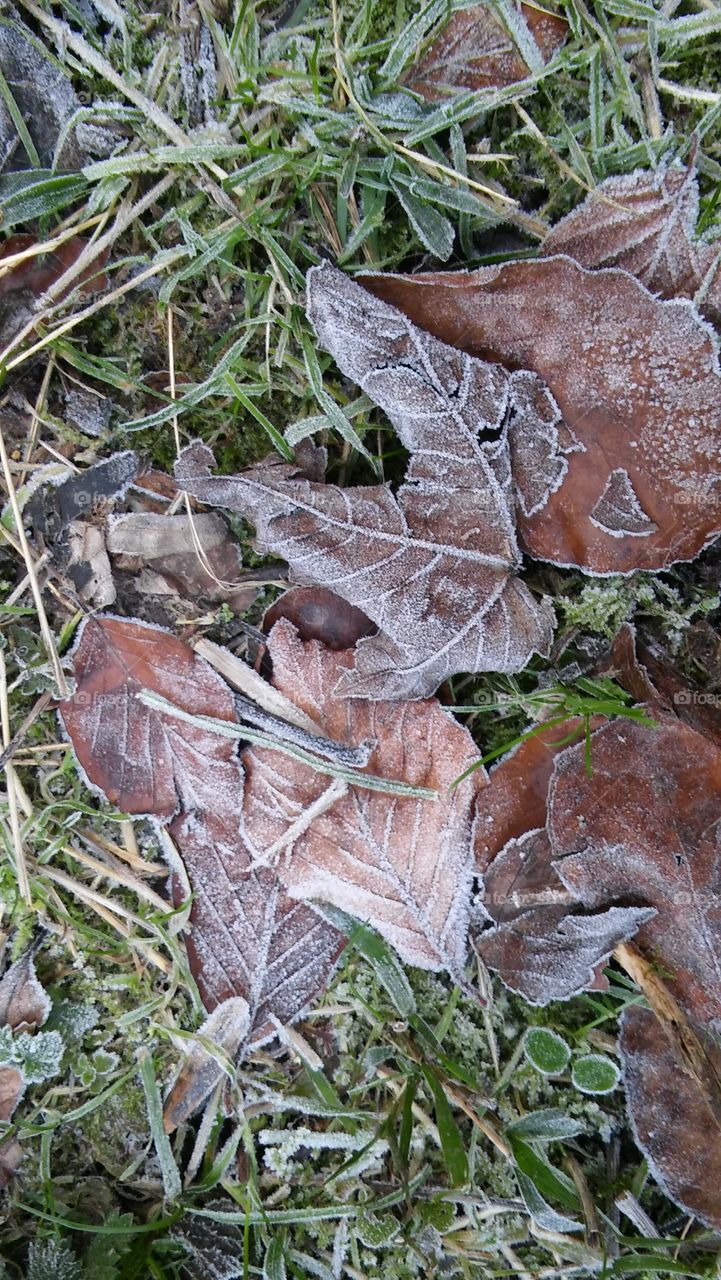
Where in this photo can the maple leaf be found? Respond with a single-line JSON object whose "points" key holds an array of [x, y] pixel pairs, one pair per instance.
{"points": [[637, 383], [474, 51], [541, 943], [248, 938], [644, 829], [434, 565], [403, 864], [645, 221], [676, 1126]]}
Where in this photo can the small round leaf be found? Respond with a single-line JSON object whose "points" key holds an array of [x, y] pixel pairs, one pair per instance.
{"points": [[546, 1051], [595, 1073]]}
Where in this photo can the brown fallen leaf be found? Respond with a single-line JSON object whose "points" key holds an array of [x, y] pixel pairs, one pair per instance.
{"points": [[24, 1003], [474, 51], [541, 943], [226, 1029], [248, 938], [644, 829], [432, 566], [636, 381], [674, 1124], [402, 864], [515, 800], [645, 222]]}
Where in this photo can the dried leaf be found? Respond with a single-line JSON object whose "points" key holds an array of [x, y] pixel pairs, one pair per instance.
{"points": [[85, 563], [55, 505], [227, 1028], [319, 614], [644, 828], [645, 222], [474, 51], [515, 800], [12, 1087], [248, 938], [169, 555], [636, 381], [432, 567], [24, 1003], [542, 946], [402, 864], [674, 1124]]}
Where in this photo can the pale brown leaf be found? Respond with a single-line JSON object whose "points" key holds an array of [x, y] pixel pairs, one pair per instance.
{"points": [[402, 864], [433, 567], [24, 1003], [637, 383]]}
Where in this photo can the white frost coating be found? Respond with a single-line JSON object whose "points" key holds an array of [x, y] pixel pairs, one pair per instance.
{"points": [[618, 510], [434, 566]]}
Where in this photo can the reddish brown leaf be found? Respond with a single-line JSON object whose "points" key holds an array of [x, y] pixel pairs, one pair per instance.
{"points": [[645, 222], [24, 1003], [11, 1154], [514, 801], [541, 944], [674, 1124], [247, 938], [474, 51], [319, 614], [636, 381], [433, 567], [37, 273], [12, 1087], [403, 864], [227, 1029], [644, 828]]}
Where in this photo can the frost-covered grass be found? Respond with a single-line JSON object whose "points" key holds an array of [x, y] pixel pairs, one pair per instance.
{"points": [[246, 143]]}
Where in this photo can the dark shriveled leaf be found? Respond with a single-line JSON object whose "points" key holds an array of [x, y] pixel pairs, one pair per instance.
{"points": [[645, 222], [319, 614], [644, 829], [674, 1125], [248, 938], [541, 944], [474, 51], [404, 865], [432, 567], [637, 383]]}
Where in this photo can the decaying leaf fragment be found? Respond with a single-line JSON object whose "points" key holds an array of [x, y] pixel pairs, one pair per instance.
{"points": [[636, 381], [24, 1007], [248, 938], [434, 566], [674, 1124], [644, 829], [541, 942], [194, 558], [645, 222], [474, 51], [404, 864]]}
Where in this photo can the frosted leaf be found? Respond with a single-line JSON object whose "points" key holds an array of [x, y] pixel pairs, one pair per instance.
{"points": [[404, 865], [674, 1124], [618, 510], [432, 567], [644, 828], [319, 614], [227, 1028], [39, 1056], [541, 946], [248, 938], [24, 1003], [537, 443], [12, 1087], [474, 51], [636, 380], [645, 221], [56, 505]]}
